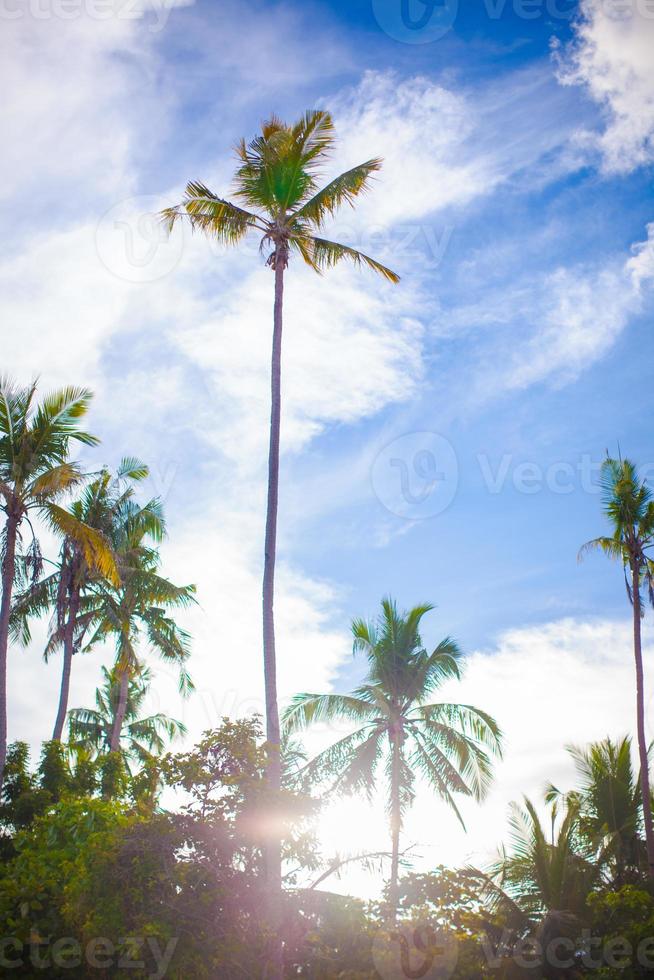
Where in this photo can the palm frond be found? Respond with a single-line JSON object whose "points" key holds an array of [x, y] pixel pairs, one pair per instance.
{"points": [[325, 254], [307, 709], [213, 215], [344, 189]]}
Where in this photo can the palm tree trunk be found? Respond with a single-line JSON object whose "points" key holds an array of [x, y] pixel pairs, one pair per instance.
{"points": [[640, 718], [396, 820], [272, 849], [69, 640], [119, 718], [8, 572]]}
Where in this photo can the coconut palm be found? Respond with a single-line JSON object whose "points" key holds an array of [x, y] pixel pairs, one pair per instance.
{"points": [[398, 725], [629, 507], [35, 473], [548, 869], [91, 729], [276, 185], [540, 884], [608, 803], [100, 506], [137, 611]]}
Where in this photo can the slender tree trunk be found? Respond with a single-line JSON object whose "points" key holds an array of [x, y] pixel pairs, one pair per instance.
{"points": [[8, 572], [69, 641], [272, 847], [640, 719], [396, 821], [121, 707]]}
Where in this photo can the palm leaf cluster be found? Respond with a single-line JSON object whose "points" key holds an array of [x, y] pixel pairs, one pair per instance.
{"points": [[279, 197], [629, 507], [591, 840], [90, 729], [449, 744]]}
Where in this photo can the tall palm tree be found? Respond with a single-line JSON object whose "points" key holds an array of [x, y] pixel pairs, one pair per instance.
{"points": [[277, 183], [35, 473], [629, 507], [91, 729], [450, 745], [99, 506], [608, 802], [137, 610]]}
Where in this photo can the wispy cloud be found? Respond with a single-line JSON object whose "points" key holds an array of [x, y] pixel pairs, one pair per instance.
{"points": [[553, 325]]}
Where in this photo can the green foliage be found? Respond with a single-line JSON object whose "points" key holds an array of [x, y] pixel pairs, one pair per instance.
{"points": [[224, 777], [448, 744], [140, 737], [626, 914], [59, 847], [54, 772], [114, 777], [277, 177]]}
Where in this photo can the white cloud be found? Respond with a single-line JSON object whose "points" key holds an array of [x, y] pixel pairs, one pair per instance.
{"points": [[611, 57], [439, 141], [641, 265], [351, 345], [420, 129]]}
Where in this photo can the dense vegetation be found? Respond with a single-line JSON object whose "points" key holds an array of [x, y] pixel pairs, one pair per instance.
{"points": [[124, 858]]}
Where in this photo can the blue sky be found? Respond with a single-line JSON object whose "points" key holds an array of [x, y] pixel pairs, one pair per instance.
{"points": [[515, 201]]}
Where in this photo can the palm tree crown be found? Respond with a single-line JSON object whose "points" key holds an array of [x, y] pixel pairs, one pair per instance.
{"points": [[449, 745], [90, 729], [138, 610], [608, 800], [277, 181], [35, 473], [629, 506]]}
